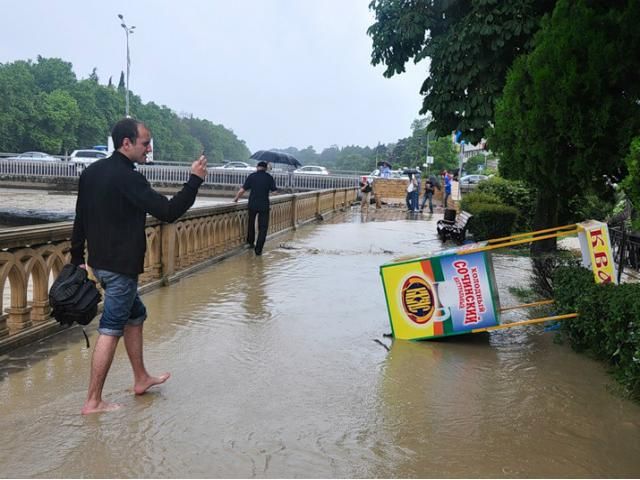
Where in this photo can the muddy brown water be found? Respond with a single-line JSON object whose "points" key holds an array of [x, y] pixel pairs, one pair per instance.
{"points": [[57, 204], [275, 373]]}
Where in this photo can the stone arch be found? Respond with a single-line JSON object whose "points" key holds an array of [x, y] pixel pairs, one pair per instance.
{"points": [[35, 268]]}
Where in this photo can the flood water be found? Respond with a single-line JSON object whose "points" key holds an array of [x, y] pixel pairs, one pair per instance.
{"points": [[54, 206], [275, 373]]}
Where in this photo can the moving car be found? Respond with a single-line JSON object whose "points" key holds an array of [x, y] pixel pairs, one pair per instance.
{"points": [[83, 158], [237, 166], [469, 182], [34, 157], [312, 170]]}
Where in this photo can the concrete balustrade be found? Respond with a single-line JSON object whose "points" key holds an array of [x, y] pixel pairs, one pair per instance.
{"points": [[32, 257]]}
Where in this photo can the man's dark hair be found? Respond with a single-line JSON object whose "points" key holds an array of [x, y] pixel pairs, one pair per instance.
{"points": [[125, 128]]}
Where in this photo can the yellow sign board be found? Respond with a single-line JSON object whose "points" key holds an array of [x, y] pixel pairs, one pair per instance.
{"points": [[596, 250]]}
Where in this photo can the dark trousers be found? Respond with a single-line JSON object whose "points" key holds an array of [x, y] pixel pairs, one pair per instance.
{"points": [[263, 226]]}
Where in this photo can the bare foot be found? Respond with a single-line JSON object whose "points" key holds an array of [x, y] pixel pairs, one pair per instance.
{"points": [[142, 386], [100, 407]]}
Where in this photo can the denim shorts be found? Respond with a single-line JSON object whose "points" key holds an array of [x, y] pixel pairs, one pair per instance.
{"points": [[122, 304]]}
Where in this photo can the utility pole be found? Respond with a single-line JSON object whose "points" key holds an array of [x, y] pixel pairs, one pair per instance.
{"points": [[127, 31]]}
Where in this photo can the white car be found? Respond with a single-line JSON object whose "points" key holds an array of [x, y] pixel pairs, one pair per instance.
{"points": [[470, 182], [34, 157], [237, 166], [312, 170], [83, 158]]}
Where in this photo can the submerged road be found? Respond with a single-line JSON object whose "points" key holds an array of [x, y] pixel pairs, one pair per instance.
{"points": [[275, 373]]}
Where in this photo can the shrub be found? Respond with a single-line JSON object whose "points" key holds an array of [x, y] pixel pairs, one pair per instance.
{"points": [[591, 206], [631, 183], [607, 326], [478, 197], [491, 220], [544, 267], [513, 193]]}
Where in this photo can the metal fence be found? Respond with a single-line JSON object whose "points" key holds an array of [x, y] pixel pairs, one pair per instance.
{"points": [[626, 247], [170, 174]]}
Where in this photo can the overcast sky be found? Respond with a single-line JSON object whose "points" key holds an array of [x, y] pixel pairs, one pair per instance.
{"points": [[278, 73]]}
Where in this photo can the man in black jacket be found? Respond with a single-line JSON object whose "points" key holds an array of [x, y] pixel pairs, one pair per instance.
{"points": [[111, 209], [260, 183]]}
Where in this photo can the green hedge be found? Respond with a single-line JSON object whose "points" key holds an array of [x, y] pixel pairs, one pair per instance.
{"points": [[491, 219], [478, 197], [608, 325], [513, 193]]}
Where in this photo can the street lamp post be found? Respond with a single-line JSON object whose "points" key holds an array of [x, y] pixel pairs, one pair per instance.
{"points": [[127, 31]]}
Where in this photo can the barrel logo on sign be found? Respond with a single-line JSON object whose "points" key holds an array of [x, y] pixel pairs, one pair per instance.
{"points": [[417, 299]]}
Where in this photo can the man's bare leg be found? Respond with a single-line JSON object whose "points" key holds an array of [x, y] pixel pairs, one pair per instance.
{"points": [[141, 378], [100, 363]]}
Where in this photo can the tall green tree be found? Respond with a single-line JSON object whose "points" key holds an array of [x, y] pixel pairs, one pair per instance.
{"points": [[53, 74], [18, 90], [93, 126], [470, 45], [570, 107], [55, 119]]}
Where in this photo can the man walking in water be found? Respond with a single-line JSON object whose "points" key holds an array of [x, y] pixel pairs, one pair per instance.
{"points": [[111, 209], [260, 184]]}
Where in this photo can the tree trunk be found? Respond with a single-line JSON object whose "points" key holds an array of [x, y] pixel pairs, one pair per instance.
{"points": [[546, 216]]}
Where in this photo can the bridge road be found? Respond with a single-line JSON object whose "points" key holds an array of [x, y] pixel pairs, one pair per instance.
{"points": [[275, 374]]}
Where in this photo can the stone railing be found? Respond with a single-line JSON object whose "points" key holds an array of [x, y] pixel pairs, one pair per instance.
{"points": [[32, 257]]}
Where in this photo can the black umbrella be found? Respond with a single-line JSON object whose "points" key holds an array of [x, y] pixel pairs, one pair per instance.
{"points": [[411, 171], [383, 163], [276, 157]]}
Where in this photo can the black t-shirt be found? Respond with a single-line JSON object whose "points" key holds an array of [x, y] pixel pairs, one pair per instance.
{"points": [[429, 187], [259, 184]]}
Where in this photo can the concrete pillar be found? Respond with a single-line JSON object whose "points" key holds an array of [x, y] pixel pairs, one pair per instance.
{"points": [[294, 212], [40, 311], [19, 318], [4, 331], [168, 250]]}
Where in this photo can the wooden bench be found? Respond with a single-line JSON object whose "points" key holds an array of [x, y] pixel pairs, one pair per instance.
{"points": [[454, 229]]}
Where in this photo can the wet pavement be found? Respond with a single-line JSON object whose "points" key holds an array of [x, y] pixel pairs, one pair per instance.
{"points": [[278, 371]]}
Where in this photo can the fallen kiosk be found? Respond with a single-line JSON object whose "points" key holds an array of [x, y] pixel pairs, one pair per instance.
{"points": [[453, 291]]}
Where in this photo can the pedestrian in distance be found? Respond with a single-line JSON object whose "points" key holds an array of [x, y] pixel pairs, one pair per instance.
{"points": [[412, 185], [365, 189], [111, 210], [446, 176], [259, 184], [429, 190]]}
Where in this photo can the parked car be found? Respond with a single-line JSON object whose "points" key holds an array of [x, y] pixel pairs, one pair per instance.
{"points": [[469, 182], [83, 158], [237, 166], [34, 157], [312, 170]]}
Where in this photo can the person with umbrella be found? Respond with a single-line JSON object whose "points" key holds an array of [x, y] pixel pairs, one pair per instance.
{"points": [[272, 157], [385, 170], [260, 183]]}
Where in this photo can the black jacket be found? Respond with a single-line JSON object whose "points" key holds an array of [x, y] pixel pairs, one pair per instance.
{"points": [[111, 209], [259, 184]]}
